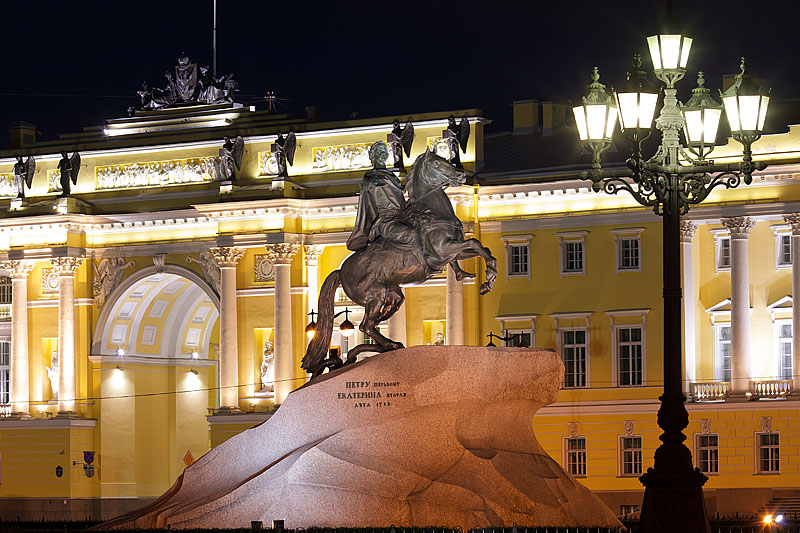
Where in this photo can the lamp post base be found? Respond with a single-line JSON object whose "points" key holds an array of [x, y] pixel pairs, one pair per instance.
{"points": [[673, 502]]}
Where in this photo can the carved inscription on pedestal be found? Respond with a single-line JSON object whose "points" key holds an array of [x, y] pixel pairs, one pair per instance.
{"points": [[371, 394]]}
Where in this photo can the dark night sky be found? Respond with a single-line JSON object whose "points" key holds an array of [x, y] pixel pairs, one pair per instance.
{"points": [[78, 63]]}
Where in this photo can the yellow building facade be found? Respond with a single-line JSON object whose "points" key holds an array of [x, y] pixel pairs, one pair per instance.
{"points": [[157, 311]]}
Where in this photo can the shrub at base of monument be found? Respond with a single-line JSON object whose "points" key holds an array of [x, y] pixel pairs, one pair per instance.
{"points": [[428, 435]]}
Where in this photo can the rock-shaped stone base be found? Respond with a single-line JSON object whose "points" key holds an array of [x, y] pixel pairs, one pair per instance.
{"points": [[424, 436]]}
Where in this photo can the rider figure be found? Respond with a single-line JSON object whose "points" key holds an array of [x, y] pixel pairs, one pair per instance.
{"points": [[380, 210]]}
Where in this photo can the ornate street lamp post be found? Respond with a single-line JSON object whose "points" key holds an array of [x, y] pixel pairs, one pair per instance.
{"points": [[670, 181]]}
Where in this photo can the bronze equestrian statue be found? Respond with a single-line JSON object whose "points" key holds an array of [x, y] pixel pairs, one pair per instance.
{"points": [[395, 242]]}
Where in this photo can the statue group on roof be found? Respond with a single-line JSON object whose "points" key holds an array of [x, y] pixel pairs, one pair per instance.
{"points": [[187, 85]]}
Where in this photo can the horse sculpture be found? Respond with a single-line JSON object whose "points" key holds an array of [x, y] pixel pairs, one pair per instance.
{"points": [[371, 277]]}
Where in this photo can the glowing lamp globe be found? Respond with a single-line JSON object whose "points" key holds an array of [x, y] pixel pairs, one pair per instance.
{"points": [[636, 100], [596, 117], [746, 104], [701, 115]]}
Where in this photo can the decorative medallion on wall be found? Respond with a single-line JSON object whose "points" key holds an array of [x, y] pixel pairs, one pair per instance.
{"points": [[705, 426], [573, 429], [630, 427], [49, 281], [263, 267], [766, 424]]}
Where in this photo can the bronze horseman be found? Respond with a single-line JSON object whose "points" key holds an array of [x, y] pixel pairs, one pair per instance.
{"points": [[69, 168], [23, 174], [385, 255]]}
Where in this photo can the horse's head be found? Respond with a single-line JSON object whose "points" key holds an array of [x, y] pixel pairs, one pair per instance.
{"points": [[434, 171]]}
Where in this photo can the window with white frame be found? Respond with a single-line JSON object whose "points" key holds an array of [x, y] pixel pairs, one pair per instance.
{"points": [[628, 345], [630, 456], [5, 372], [575, 455], [769, 452], [630, 355], [707, 454], [722, 352], [628, 245], [783, 250], [722, 251], [574, 352], [5, 290], [784, 330], [518, 255], [573, 258]]}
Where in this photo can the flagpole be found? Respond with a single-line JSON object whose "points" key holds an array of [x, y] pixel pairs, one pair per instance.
{"points": [[214, 41]]}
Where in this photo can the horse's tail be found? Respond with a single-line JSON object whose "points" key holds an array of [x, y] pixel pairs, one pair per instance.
{"points": [[318, 347]]}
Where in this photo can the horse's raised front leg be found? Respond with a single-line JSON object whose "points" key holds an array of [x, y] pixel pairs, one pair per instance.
{"points": [[468, 249]]}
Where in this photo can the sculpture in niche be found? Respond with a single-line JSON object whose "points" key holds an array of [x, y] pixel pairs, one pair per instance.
{"points": [[209, 267], [188, 85], [395, 242], [52, 373], [23, 174], [230, 158], [284, 148], [69, 167], [456, 136], [400, 140], [268, 368], [107, 275]]}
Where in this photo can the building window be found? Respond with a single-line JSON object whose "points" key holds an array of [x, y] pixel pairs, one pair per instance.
{"points": [[630, 456], [5, 290], [518, 338], [722, 352], [785, 350], [573, 256], [723, 252], [518, 255], [574, 353], [573, 260], [784, 250], [768, 452], [5, 372], [628, 245], [575, 451], [518, 260], [628, 254], [708, 453], [629, 355]]}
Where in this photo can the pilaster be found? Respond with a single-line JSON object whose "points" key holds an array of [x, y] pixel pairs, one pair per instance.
{"points": [[793, 219], [20, 378], [688, 229]]}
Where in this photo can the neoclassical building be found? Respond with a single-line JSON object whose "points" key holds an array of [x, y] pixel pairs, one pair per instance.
{"points": [[161, 308]]}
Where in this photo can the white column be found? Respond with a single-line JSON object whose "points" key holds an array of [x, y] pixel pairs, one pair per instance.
{"points": [[454, 309], [397, 324], [740, 303], [66, 267], [793, 219], [227, 258], [282, 254], [312, 276], [689, 355], [20, 393]]}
